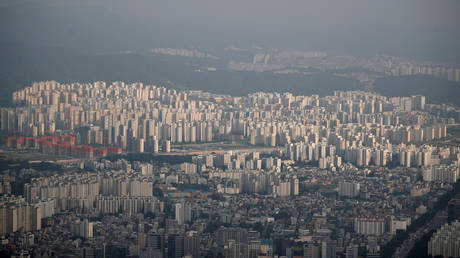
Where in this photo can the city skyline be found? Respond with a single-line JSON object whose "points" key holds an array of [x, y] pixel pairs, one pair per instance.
{"points": [[375, 162], [229, 129]]}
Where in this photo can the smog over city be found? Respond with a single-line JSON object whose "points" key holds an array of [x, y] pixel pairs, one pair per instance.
{"points": [[212, 128]]}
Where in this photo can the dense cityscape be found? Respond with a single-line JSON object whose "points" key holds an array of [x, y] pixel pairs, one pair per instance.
{"points": [[134, 170]]}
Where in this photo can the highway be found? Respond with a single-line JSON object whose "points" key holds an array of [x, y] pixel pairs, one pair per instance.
{"points": [[439, 219], [216, 151]]}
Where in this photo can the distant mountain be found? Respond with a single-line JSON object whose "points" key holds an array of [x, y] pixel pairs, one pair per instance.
{"points": [[22, 64]]}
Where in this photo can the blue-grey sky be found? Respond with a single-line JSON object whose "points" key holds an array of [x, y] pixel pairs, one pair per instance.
{"points": [[424, 29]]}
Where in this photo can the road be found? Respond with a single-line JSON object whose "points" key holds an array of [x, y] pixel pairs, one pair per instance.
{"points": [[216, 151], [438, 219]]}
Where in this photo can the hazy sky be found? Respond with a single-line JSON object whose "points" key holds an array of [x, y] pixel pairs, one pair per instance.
{"points": [[421, 28]]}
